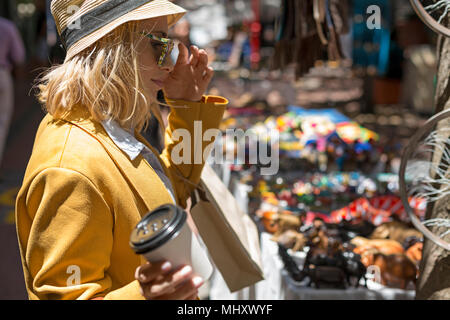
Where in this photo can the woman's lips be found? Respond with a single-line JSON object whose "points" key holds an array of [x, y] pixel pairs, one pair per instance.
{"points": [[159, 83]]}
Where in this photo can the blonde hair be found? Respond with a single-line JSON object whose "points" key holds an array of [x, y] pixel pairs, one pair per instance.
{"points": [[105, 79]]}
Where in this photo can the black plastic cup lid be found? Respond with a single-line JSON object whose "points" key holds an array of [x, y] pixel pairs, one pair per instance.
{"points": [[157, 228]]}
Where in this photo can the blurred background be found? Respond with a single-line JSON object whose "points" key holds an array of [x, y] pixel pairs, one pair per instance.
{"points": [[345, 93]]}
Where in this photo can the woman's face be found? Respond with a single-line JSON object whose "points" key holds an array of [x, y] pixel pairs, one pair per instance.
{"points": [[152, 74]]}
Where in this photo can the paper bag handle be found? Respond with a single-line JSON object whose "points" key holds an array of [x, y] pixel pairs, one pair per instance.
{"points": [[198, 194]]}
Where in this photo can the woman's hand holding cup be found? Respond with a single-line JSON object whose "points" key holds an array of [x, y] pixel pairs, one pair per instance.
{"points": [[161, 236], [159, 281]]}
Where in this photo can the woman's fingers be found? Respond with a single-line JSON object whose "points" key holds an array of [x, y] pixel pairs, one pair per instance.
{"points": [[190, 76], [194, 56], [202, 59], [209, 73], [150, 271], [202, 64], [168, 284], [185, 291], [207, 77], [183, 56]]}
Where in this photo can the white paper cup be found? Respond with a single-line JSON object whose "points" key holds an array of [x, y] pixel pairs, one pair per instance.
{"points": [[163, 234]]}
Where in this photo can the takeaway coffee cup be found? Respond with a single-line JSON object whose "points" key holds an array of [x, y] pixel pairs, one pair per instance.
{"points": [[163, 234]]}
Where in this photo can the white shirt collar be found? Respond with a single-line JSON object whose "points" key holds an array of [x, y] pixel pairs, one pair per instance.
{"points": [[126, 142], [123, 139]]}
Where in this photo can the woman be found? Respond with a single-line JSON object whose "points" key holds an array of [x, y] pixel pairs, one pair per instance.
{"points": [[92, 176]]}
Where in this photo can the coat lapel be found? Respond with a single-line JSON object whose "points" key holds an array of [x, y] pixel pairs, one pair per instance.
{"points": [[140, 175]]}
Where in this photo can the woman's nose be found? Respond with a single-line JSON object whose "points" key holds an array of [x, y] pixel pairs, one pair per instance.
{"points": [[168, 65]]}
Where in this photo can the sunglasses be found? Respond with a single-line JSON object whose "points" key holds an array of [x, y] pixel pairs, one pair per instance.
{"points": [[162, 47]]}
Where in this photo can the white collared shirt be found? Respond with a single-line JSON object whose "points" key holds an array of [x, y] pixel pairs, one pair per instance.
{"points": [[126, 142]]}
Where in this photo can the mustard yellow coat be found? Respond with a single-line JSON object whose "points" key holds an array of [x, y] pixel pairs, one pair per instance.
{"points": [[81, 196]]}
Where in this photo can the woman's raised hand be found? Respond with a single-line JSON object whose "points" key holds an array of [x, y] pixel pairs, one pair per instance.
{"points": [[190, 76], [159, 282]]}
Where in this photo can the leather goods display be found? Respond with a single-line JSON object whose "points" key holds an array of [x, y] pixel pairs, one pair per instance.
{"points": [[339, 255], [308, 31], [328, 263]]}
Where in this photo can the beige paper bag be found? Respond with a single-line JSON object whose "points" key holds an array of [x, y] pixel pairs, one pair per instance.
{"points": [[229, 233]]}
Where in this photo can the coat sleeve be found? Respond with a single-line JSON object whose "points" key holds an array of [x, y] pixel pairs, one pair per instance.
{"points": [[185, 157], [65, 230]]}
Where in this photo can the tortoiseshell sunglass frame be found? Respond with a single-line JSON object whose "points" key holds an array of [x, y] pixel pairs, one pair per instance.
{"points": [[167, 43]]}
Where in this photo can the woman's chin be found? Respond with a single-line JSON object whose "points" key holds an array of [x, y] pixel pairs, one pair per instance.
{"points": [[152, 90]]}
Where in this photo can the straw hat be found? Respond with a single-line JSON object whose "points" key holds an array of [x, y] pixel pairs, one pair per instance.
{"points": [[81, 23]]}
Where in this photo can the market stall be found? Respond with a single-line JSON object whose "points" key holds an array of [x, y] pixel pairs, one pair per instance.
{"points": [[331, 220], [337, 189], [279, 285]]}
